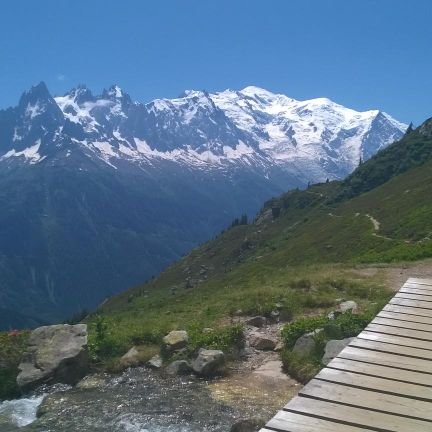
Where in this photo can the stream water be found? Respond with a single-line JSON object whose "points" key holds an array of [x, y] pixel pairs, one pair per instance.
{"points": [[136, 401]]}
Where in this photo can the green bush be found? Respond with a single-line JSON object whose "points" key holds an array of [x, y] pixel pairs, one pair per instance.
{"points": [[101, 343], [224, 338], [299, 367], [351, 325], [291, 332]]}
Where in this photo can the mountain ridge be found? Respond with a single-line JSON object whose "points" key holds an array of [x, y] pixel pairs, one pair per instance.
{"points": [[250, 126], [99, 193]]}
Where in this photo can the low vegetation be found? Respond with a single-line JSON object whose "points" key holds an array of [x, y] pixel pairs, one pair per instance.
{"points": [[304, 367], [12, 346]]}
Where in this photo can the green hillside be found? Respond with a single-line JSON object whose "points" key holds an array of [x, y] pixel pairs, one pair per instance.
{"points": [[300, 251], [304, 250]]}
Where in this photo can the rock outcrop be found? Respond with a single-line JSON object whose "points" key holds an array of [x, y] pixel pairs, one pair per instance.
{"points": [[209, 363], [56, 354]]}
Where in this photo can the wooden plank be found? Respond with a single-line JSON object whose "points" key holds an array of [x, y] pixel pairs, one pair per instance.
{"points": [[391, 348], [403, 324], [357, 416], [292, 422], [416, 285], [405, 317], [378, 371], [397, 340], [382, 381], [410, 296], [371, 399], [425, 281], [407, 310], [409, 290], [413, 304], [386, 359], [398, 331]]}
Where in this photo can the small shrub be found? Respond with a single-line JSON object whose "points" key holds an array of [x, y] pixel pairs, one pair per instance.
{"points": [[101, 343], [333, 331], [224, 338], [292, 331], [351, 325], [299, 367]]}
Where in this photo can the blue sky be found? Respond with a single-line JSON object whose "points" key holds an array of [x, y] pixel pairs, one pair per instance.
{"points": [[363, 54]]}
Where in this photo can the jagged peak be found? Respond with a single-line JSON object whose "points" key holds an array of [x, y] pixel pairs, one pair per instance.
{"points": [[37, 92]]}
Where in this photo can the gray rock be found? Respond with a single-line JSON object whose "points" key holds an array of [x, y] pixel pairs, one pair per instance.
{"points": [[178, 367], [262, 341], [258, 321], [333, 315], [155, 362], [305, 345], [209, 363], [333, 348], [175, 341], [348, 306], [275, 315], [56, 354]]}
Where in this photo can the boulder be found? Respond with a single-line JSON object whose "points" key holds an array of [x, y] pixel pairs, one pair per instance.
{"points": [[131, 358], [258, 321], [155, 362], [262, 341], [209, 363], [175, 341], [305, 345], [333, 348], [178, 367], [348, 306], [56, 354]]}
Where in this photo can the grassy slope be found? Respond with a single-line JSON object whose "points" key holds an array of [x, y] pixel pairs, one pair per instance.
{"points": [[303, 258]]}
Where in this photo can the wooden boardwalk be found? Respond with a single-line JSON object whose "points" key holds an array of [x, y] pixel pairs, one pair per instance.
{"points": [[381, 382]]}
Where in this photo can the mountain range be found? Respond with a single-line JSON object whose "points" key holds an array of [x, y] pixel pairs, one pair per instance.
{"points": [[99, 193]]}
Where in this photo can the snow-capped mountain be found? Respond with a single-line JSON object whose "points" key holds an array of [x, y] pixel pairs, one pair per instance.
{"points": [[313, 139], [98, 193]]}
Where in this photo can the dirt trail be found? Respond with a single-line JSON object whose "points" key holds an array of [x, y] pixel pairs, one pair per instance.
{"points": [[396, 275], [375, 223]]}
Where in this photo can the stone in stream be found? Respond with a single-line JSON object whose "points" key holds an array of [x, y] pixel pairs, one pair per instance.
{"points": [[56, 354], [333, 348], [209, 363], [174, 341], [178, 367], [262, 341], [155, 362]]}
